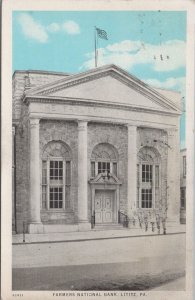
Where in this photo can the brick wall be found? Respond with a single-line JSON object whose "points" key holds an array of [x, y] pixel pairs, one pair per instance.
{"points": [[22, 170], [34, 79]]}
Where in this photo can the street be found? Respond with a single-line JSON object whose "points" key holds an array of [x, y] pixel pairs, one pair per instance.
{"points": [[137, 263]]}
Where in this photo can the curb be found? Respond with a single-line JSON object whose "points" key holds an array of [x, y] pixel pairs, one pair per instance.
{"points": [[94, 239]]}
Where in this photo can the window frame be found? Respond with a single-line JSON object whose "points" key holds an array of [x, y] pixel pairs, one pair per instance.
{"points": [[50, 184], [142, 185], [96, 162], [184, 166], [56, 185], [183, 189]]}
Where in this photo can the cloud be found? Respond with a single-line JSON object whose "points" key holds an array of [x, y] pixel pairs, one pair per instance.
{"points": [[171, 83], [53, 27], [71, 27], [166, 57], [124, 46], [32, 29]]}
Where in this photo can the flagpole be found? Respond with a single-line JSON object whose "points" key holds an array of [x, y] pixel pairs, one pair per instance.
{"points": [[95, 36]]}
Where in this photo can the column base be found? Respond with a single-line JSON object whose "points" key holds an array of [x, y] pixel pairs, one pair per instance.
{"points": [[173, 219], [84, 226], [35, 228]]}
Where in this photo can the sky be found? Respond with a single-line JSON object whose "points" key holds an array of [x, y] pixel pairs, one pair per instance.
{"points": [[150, 45]]}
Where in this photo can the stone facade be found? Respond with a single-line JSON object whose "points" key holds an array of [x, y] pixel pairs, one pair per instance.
{"points": [[71, 118]]}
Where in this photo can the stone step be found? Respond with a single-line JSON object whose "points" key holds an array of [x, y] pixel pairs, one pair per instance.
{"points": [[108, 226]]}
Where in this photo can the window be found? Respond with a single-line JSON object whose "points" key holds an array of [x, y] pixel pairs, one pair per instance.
{"points": [[156, 176], [44, 184], [56, 184], [138, 178], [183, 197], [146, 173], [104, 158], [55, 197], [56, 177], [146, 191], [148, 178], [56, 170], [114, 168], [103, 167], [184, 166], [68, 184], [92, 169], [146, 198]]}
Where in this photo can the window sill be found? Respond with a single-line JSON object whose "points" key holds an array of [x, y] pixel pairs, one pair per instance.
{"points": [[55, 210], [144, 209]]}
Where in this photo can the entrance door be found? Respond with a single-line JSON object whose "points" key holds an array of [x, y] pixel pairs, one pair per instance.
{"points": [[104, 206]]}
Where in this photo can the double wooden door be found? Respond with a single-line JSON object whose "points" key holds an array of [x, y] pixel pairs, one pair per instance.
{"points": [[104, 205]]}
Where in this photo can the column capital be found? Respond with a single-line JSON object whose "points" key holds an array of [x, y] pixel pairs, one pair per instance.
{"points": [[82, 125], [131, 125], [171, 131], [132, 129], [34, 122]]}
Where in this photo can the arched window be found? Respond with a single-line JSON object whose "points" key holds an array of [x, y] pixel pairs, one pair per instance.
{"points": [[104, 158], [56, 176], [148, 178]]}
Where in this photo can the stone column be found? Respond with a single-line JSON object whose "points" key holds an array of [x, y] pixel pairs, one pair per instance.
{"points": [[132, 168], [35, 225], [173, 176], [82, 177]]}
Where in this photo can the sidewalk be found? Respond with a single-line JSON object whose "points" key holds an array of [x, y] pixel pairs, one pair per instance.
{"points": [[17, 239]]}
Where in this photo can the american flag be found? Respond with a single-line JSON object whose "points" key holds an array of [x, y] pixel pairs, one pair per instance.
{"points": [[102, 33]]}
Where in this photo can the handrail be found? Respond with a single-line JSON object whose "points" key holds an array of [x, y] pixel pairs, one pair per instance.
{"points": [[93, 220], [126, 221], [124, 214]]}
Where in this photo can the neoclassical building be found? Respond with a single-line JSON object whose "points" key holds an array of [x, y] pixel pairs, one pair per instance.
{"points": [[90, 146]]}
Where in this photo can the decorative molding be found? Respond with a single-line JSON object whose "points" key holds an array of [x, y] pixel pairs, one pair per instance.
{"points": [[82, 125], [34, 122], [57, 146], [103, 179], [91, 102], [114, 72], [104, 151], [73, 83]]}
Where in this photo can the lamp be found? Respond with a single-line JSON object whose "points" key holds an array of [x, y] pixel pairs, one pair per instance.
{"points": [[162, 142]]}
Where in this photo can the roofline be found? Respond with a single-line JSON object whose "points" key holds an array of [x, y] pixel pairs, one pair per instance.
{"points": [[40, 72], [163, 89], [112, 67]]}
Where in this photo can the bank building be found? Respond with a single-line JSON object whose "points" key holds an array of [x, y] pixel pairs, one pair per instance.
{"points": [[92, 149]]}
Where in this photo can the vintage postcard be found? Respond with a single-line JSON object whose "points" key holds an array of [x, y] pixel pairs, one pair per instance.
{"points": [[97, 149]]}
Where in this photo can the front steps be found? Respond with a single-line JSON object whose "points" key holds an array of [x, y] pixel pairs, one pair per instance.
{"points": [[109, 226]]}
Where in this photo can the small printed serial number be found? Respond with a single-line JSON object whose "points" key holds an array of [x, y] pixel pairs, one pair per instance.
{"points": [[17, 295]]}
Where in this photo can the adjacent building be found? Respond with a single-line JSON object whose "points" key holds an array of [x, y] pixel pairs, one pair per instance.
{"points": [[90, 146], [183, 186]]}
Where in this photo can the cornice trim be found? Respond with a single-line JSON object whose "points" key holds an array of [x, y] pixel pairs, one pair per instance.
{"points": [[91, 102], [113, 71]]}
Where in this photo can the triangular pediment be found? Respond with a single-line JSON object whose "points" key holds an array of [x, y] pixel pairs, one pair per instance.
{"points": [[107, 85], [104, 178]]}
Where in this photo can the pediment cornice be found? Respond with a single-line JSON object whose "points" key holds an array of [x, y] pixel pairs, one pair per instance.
{"points": [[114, 72], [104, 178]]}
